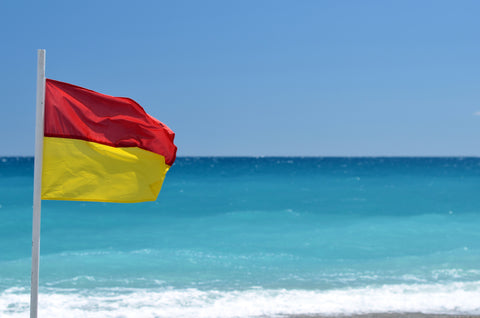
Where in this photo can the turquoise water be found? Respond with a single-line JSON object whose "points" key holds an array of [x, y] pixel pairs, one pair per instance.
{"points": [[246, 237]]}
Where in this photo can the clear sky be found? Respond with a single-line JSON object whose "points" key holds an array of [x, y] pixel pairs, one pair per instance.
{"points": [[255, 78]]}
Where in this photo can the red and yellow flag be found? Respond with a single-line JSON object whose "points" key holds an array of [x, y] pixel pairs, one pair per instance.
{"points": [[101, 148]]}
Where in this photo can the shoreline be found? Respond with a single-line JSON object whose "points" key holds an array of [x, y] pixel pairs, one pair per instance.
{"points": [[384, 315]]}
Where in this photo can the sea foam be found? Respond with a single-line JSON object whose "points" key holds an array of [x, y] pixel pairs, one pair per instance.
{"points": [[453, 298]]}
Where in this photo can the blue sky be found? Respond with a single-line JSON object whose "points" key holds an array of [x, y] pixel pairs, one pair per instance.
{"points": [[260, 78]]}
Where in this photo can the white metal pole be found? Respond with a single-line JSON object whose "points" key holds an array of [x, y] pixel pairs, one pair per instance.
{"points": [[37, 182]]}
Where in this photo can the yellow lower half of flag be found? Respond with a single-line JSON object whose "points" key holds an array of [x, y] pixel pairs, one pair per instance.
{"points": [[80, 170]]}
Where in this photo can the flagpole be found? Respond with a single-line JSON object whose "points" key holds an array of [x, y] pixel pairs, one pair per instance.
{"points": [[37, 182]]}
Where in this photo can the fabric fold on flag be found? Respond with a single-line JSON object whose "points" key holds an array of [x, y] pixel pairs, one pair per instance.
{"points": [[102, 148]]}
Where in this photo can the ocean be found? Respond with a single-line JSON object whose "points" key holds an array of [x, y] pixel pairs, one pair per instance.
{"points": [[254, 237]]}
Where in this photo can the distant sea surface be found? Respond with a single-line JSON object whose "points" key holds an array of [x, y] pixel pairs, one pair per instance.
{"points": [[254, 237]]}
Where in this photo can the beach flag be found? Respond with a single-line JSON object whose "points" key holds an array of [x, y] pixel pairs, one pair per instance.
{"points": [[92, 147], [101, 148]]}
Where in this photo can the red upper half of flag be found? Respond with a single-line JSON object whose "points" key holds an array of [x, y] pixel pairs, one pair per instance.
{"points": [[79, 113]]}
